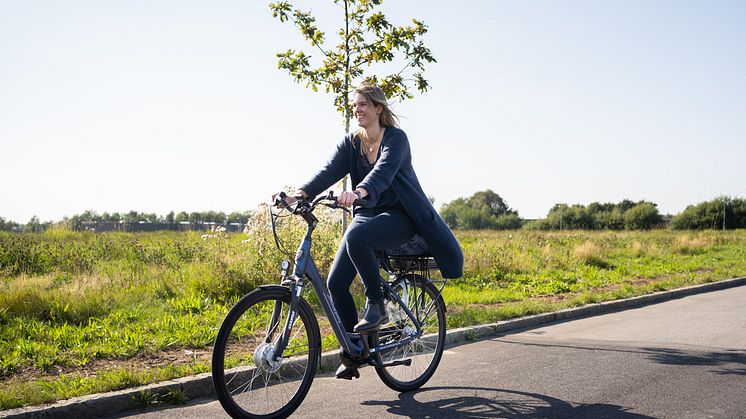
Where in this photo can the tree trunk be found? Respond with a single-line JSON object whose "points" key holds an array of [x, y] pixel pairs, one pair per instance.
{"points": [[347, 99]]}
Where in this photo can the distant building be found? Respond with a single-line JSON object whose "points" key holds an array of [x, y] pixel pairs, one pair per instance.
{"points": [[144, 226]]}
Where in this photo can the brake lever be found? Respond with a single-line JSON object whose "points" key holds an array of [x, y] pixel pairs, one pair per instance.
{"points": [[283, 204], [337, 206]]}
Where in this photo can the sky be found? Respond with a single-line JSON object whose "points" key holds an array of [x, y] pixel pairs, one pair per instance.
{"points": [[167, 105]]}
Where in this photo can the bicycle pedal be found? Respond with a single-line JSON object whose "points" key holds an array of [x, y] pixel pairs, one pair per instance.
{"points": [[405, 362]]}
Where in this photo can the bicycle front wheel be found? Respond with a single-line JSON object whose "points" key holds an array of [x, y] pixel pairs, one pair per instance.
{"points": [[425, 302], [251, 381]]}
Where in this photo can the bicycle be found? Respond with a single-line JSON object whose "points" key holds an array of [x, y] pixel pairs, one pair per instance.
{"points": [[268, 347]]}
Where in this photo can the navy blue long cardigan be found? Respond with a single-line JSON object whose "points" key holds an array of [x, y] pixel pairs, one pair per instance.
{"points": [[394, 170]]}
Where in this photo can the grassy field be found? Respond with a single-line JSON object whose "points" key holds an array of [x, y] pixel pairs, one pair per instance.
{"points": [[83, 313]]}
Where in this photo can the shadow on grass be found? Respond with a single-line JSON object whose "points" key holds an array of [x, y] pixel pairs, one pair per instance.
{"points": [[483, 402]]}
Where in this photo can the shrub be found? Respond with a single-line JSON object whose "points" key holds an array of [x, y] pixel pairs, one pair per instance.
{"points": [[543, 224], [627, 214], [710, 215], [609, 220], [564, 217], [508, 222], [483, 210], [643, 216]]}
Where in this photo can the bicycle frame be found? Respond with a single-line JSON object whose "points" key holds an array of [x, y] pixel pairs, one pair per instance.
{"points": [[306, 268]]}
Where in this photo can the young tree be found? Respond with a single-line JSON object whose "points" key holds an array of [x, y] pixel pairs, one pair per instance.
{"points": [[131, 217], [239, 217], [491, 202], [36, 226], [195, 217], [182, 216], [90, 215], [365, 38], [7, 225]]}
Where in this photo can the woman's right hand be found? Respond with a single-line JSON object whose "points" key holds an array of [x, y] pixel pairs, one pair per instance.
{"points": [[290, 199], [277, 203]]}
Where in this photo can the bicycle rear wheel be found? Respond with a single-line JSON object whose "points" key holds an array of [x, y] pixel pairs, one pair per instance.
{"points": [[249, 379], [425, 302]]}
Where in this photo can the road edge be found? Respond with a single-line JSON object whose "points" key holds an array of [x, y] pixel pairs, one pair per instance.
{"points": [[200, 386]]}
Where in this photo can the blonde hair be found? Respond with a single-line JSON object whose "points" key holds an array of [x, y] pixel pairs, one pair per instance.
{"points": [[375, 96]]}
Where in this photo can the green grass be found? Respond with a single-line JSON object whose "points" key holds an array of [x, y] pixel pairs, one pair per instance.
{"points": [[80, 313], [17, 391], [146, 398]]}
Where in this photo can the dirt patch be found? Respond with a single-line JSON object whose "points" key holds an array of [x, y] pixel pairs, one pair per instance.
{"points": [[141, 362]]}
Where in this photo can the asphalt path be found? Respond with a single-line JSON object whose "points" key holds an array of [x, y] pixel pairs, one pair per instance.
{"points": [[683, 358]]}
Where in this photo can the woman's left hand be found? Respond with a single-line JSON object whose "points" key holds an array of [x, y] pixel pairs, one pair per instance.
{"points": [[346, 199]]}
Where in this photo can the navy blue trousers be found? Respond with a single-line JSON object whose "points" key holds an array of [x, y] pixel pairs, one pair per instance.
{"points": [[368, 231]]}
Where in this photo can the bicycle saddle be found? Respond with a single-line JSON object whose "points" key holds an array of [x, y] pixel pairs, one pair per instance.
{"points": [[414, 247]]}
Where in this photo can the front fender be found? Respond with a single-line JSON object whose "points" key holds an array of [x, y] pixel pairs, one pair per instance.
{"points": [[274, 287]]}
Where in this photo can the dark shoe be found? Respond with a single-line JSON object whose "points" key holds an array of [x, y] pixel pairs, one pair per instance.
{"points": [[347, 373], [374, 316], [348, 369]]}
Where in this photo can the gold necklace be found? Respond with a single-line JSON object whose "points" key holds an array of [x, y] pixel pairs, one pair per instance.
{"points": [[370, 148]]}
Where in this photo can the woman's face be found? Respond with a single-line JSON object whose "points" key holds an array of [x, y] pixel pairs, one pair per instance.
{"points": [[367, 113]]}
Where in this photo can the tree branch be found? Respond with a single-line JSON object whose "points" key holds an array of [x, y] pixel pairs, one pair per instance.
{"points": [[313, 42], [409, 64]]}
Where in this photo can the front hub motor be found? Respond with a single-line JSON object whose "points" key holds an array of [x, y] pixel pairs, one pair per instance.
{"points": [[264, 358]]}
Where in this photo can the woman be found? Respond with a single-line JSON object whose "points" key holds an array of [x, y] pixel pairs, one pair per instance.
{"points": [[377, 158]]}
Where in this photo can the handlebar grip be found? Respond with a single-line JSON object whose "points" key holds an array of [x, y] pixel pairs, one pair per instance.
{"points": [[280, 199]]}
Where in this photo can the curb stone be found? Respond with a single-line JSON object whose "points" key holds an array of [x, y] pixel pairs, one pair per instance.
{"points": [[200, 386]]}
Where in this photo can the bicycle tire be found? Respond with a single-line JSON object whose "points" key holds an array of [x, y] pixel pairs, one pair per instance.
{"points": [[425, 351], [248, 382]]}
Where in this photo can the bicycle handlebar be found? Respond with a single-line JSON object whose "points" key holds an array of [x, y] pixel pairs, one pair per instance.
{"points": [[302, 202]]}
